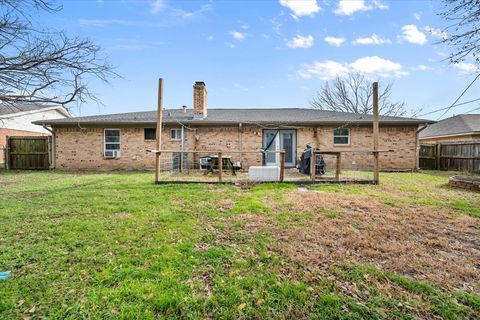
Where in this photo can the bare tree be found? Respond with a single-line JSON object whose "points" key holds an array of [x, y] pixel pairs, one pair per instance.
{"points": [[44, 66], [353, 93], [464, 30]]}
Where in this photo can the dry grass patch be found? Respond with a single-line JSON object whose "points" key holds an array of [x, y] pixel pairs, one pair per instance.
{"points": [[418, 242]]}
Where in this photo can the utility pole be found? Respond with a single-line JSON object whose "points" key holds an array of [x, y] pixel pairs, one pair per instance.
{"points": [[376, 129], [159, 129]]}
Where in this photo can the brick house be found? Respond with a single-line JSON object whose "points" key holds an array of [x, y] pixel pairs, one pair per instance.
{"points": [[84, 142], [16, 120], [463, 127]]}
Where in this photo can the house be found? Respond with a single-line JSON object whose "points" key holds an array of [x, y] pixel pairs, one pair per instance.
{"points": [[16, 120], [90, 142], [464, 127]]}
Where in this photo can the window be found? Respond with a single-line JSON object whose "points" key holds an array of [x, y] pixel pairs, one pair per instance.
{"points": [[112, 143], [150, 133], [341, 136], [175, 134]]}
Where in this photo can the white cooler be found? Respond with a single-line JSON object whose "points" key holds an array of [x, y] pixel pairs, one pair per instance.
{"points": [[264, 173]]}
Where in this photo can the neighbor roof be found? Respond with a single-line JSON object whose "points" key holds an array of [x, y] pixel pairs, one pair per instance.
{"points": [[6, 109], [461, 124], [278, 116]]}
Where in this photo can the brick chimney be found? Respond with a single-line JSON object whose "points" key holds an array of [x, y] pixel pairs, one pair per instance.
{"points": [[199, 100]]}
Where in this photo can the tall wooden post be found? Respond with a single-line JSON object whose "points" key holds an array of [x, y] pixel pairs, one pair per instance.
{"points": [[220, 167], [313, 167], [339, 164], [282, 165], [159, 129], [376, 129]]}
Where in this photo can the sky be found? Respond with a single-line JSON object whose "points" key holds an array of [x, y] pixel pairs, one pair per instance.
{"points": [[265, 54]]}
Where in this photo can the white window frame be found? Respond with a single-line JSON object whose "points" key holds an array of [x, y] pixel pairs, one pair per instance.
{"points": [[105, 142], [341, 136], [178, 134]]}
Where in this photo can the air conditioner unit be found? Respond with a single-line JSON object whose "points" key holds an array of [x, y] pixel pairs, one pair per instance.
{"points": [[109, 154]]}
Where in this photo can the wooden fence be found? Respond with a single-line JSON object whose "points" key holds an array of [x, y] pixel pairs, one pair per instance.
{"points": [[454, 156], [28, 153]]}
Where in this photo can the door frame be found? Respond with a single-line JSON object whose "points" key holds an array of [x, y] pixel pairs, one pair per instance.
{"points": [[278, 143]]}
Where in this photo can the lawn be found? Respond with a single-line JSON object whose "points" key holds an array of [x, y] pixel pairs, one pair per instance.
{"points": [[116, 246]]}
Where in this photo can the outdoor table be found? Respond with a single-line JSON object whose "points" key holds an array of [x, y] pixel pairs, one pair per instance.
{"points": [[227, 164]]}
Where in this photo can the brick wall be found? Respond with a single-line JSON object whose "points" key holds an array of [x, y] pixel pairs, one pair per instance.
{"points": [[466, 137], [83, 148], [12, 132]]}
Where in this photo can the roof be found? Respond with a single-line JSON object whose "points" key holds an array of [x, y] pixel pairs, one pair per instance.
{"points": [[461, 124], [278, 116], [9, 109]]}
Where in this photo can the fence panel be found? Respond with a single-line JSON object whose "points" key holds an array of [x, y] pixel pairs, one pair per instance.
{"points": [[28, 153], [452, 156]]}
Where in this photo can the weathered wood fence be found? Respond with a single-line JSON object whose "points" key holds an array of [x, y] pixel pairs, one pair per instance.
{"points": [[455, 156], [28, 153]]}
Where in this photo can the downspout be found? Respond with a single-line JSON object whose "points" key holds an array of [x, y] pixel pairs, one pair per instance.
{"points": [[52, 155], [182, 148], [417, 146], [240, 142]]}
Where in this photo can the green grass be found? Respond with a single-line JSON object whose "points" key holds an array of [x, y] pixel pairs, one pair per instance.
{"points": [[117, 246]]}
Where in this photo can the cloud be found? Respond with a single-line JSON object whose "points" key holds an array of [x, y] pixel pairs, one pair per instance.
{"points": [[334, 41], [349, 7], [237, 35], [373, 39], [467, 68], [105, 22], [301, 42], [423, 67], [324, 70], [437, 33], [417, 15], [301, 8], [180, 13], [373, 66], [209, 38], [156, 6], [411, 34]]}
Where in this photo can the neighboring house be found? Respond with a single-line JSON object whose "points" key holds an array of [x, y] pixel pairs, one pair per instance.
{"points": [[464, 127], [82, 142], [17, 120]]}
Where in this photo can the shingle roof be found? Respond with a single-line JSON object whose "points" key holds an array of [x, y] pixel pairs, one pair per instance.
{"points": [[11, 109], [463, 123], [278, 116]]}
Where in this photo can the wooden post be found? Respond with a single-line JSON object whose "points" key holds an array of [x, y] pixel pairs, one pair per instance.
{"points": [[312, 166], [159, 129], [282, 165], [376, 129], [339, 163], [7, 153], [438, 151], [220, 167]]}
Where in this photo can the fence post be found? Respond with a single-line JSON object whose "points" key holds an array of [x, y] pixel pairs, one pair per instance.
{"points": [[313, 160], [438, 153], [7, 153], [339, 161], [282, 165], [220, 167]]}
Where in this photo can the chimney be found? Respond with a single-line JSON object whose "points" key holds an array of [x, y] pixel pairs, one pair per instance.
{"points": [[184, 109], [199, 100]]}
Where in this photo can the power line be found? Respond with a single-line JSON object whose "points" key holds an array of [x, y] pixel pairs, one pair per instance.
{"points": [[460, 96], [456, 105], [477, 108]]}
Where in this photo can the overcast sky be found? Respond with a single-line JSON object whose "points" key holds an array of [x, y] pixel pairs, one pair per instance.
{"points": [[265, 53]]}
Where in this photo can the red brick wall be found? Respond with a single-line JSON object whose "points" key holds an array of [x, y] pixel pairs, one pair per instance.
{"points": [[83, 148], [11, 132]]}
